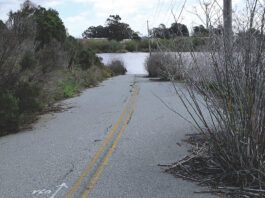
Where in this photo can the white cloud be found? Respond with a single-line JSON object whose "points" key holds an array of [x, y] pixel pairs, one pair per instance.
{"points": [[8, 5], [77, 24], [133, 12]]}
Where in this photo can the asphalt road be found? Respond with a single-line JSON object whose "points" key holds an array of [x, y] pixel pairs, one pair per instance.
{"points": [[107, 145]]}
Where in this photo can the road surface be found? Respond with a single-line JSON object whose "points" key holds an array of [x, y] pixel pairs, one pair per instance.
{"points": [[108, 145]]}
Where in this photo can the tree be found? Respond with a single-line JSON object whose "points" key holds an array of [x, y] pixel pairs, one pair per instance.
{"points": [[28, 8], [46, 23], [49, 26], [114, 30], [218, 30], [178, 29], [200, 31], [2, 25], [22, 22], [117, 30], [161, 32], [87, 58], [95, 32], [135, 36]]}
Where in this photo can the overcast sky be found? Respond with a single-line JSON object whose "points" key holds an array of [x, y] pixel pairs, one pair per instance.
{"points": [[78, 15]]}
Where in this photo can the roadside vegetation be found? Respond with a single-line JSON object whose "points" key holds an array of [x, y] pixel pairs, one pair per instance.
{"points": [[224, 97], [40, 64]]}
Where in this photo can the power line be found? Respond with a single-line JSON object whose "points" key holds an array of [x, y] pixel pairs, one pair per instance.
{"points": [[155, 13], [169, 10]]}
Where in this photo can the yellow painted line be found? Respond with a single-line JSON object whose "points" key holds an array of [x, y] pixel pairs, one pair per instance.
{"points": [[96, 156], [106, 159]]}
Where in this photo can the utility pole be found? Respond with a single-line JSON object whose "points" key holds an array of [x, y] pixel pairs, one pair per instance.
{"points": [[228, 33], [149, 38], [207, 15]]}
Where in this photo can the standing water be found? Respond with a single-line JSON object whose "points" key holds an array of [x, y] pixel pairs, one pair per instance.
{"points": [[134, 62]]}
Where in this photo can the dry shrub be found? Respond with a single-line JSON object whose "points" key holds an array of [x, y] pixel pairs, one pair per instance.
{"points": [[164, 66], [117, 67], [227, 108]]}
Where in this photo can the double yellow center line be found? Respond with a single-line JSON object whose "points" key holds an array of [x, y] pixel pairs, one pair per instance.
{"points": [[135, 92]]}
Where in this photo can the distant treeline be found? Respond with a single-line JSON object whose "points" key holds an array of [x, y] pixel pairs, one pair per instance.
{"points": [[117, 30], [104, 39], [175, 38]]}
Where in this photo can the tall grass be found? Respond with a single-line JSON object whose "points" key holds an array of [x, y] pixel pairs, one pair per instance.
{"points": [[104, 45], [181, 44]]}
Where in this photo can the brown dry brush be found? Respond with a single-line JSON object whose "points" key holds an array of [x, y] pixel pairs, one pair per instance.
{"points": [[117, 67], [227, 107]]}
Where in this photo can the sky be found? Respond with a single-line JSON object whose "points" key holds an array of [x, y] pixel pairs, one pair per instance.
{"points": [[78, 15]]}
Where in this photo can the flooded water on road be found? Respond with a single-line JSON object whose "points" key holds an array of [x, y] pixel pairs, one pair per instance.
{"points": [[134, 61]]}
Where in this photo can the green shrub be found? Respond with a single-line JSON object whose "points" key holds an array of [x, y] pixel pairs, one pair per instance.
{"points": [[94, 75], [144, 45], [198, 41], [107, 72], [9, 112], [49, 27], [87, 58], [17, 106], [131, 46], [70, 89], [115, 46], [28, 61], [98, 45], [48, 59], [88, 79], [117, 67], [104, 45], [29, 97]]}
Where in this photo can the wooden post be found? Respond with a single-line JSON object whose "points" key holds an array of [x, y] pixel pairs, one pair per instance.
{"points": [[227, 18], [207, 14], [149, 38]]}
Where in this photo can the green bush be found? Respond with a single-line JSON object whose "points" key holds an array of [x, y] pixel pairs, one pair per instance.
{"points": [[86, 58], [49, 27], [28, 61], [18, 106], [104, 45], [131, 46], [144, 45], [49, 59], [9, 112], [115, 46], [94, 75], [117, 67], [70, 89], [28, 95], [198, 41]]}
